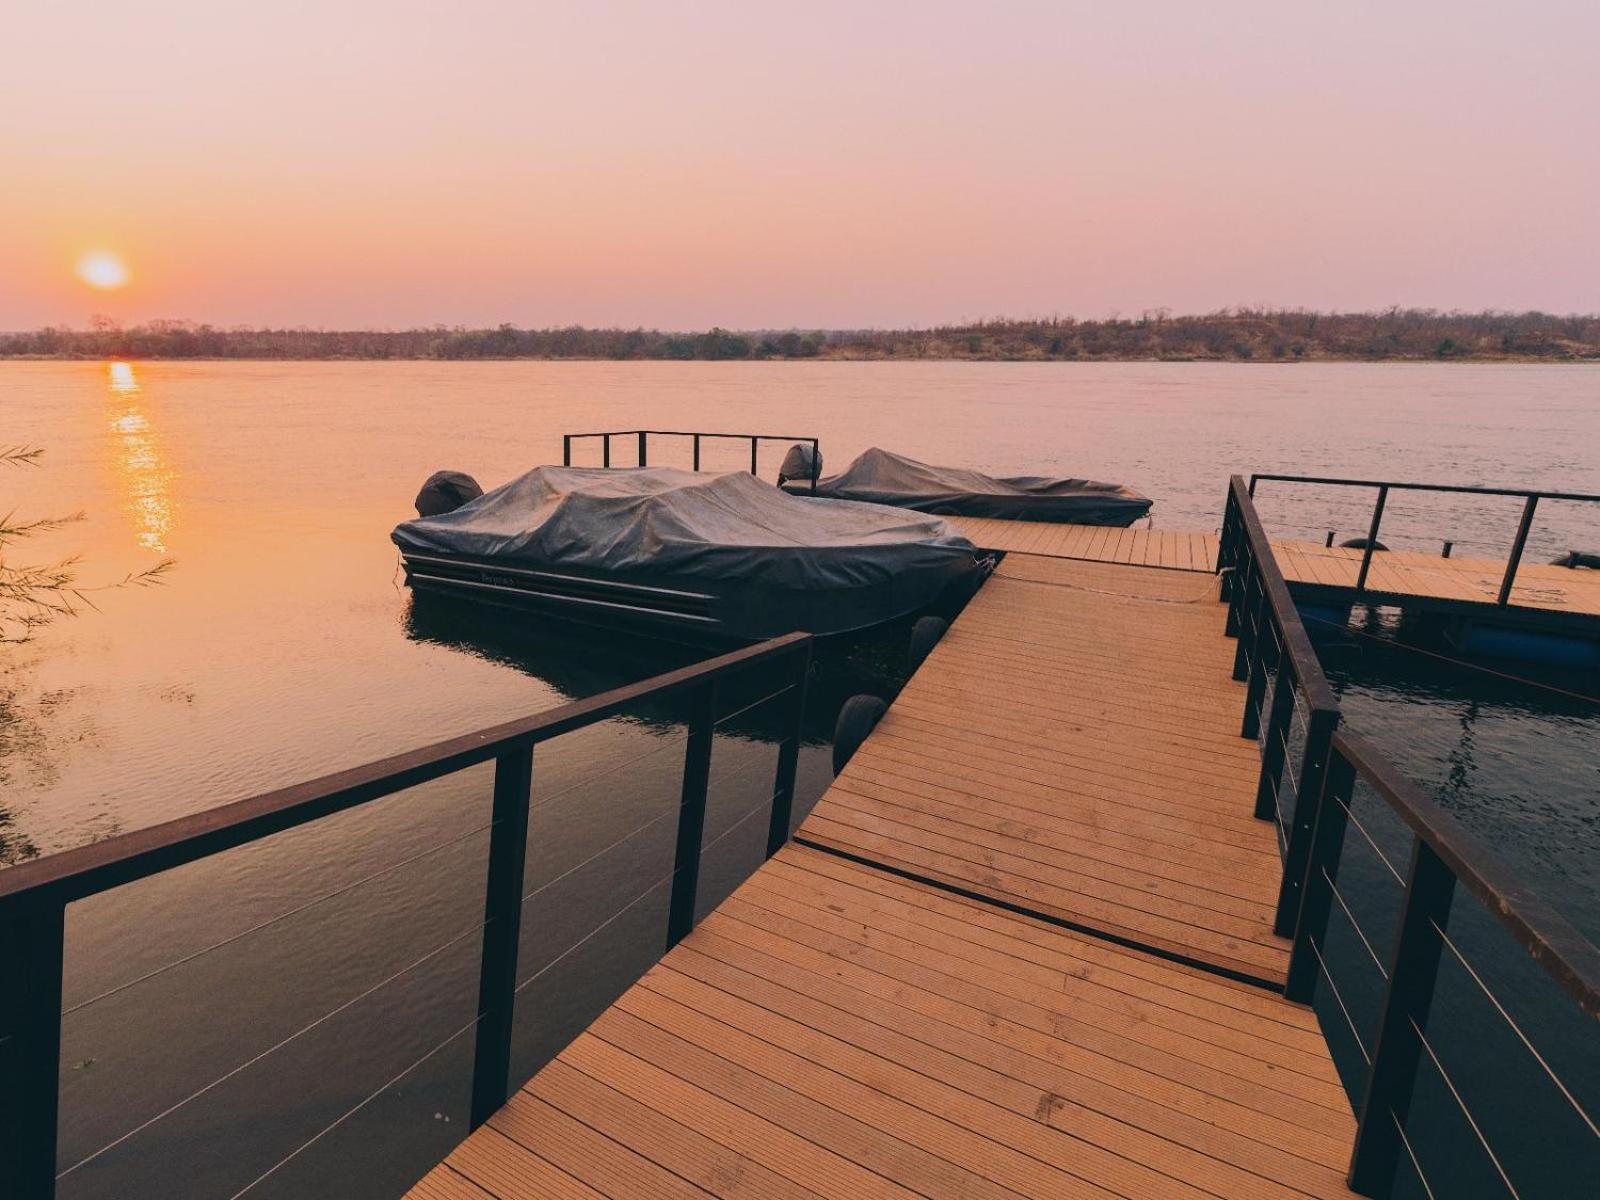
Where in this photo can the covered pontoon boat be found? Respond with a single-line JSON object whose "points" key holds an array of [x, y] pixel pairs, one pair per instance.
{"points": [[881, 477], [721, 555]]}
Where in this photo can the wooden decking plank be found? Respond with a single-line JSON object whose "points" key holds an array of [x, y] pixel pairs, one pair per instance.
{"points": [[584, 1153], [1102, 827], [703, 1162], [1086, 957], [940, 985], [509, 1171], [1022, 825], [1402, 572], [1055, 693], [772, 1143], [447, 1184], [643, 1025], [968, 1019], [901, 936]]}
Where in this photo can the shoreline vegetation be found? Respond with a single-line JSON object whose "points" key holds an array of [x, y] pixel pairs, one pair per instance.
{"points": [[1233, 335]]}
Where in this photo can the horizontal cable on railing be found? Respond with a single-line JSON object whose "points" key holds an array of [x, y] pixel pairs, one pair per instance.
{"points": [[1461, 1103], [1583, 1114], [603, 924], [274, 1048], [1354, 924], [350, 1112], [1349, 811], [667, 743], [739, 712], [339, 891], [764, 806], [634, 832], [1459, 662], [1338, 997], [1405, 1142]]}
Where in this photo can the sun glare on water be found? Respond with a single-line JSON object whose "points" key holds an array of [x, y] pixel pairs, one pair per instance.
{"points": [[102, 269]]}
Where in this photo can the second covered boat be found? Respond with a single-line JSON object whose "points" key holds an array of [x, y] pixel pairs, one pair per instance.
{"points": [[883, 477], [723, 555]]}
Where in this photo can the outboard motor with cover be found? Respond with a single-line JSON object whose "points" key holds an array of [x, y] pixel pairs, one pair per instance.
{"points": [[804, 461], [446, 491]]}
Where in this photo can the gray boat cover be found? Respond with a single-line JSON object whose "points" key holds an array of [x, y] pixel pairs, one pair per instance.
{"points": [[881, 477], [661, 521]]}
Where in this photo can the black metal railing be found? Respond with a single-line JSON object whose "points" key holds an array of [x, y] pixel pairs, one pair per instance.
{"points": [[1444, 859], [641, 439], [1530, 503], [34, 896], [1275, 653]]}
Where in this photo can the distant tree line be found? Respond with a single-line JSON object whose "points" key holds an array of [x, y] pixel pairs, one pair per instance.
{"points": [[1240, 334]]}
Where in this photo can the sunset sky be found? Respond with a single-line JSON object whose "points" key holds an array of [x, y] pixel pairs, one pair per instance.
{"points": [[394, 163]]}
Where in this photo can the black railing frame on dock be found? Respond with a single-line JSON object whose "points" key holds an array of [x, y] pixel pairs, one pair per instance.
{"points": [[1530, 503], [34, 896], [643, 437], [1443, 856], [1272, 638]]}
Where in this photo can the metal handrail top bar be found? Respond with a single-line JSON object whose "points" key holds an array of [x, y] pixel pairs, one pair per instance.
{"points": [[1426, 487], [87, 870], [743, 437], [1550, 939], [1318, 692]]}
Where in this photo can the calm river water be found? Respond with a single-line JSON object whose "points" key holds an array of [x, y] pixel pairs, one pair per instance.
{"points": [[283, 646]]}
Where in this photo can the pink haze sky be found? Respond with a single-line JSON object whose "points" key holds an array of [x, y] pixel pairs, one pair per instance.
{"points": [[386, 164]]}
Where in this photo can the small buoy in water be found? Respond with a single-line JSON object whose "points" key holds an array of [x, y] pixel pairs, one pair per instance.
{"points": [[859, 717], [1360, 543], [925, 635], [1577, 558], [446, 491]]}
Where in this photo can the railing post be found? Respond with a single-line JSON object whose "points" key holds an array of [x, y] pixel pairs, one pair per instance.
{"points": [[1273, 750], [1228, 556], [1322, 867], [502, 934], [1308, 804], [1254, 690], [1245, 647], [1413, 972], [566, 449], [1372, 537], [605, 450], [697, 452], [644, 449], [32, 942], [789, 753], [1516, 550], [692, 812], [755, 468]]}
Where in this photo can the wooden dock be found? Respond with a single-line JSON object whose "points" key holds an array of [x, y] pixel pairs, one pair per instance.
{"points": [[1395, 576], [1021, 948]]}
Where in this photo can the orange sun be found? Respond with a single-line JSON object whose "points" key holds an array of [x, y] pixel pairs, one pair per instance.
{"points": [[102, 269]]}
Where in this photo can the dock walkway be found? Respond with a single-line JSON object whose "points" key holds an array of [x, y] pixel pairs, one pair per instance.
{"points": [[1395, 576], [1021, 948]]}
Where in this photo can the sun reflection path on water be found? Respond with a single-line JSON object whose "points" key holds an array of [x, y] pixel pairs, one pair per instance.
{"points": [[144, 479]]}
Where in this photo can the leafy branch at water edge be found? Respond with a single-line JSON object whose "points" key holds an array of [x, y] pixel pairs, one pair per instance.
{"points": [[33, 595]]}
